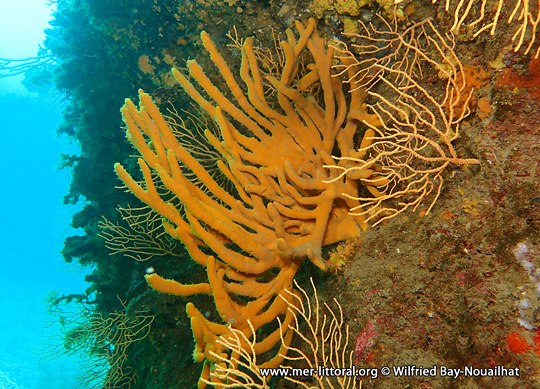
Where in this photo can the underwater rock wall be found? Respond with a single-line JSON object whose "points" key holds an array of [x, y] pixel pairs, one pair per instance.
{"points": [[448, 281]]}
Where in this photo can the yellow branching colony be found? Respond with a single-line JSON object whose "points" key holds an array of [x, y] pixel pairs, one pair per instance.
{"points": [[102, 340], [324, 343], [287, 196], [282, 210], [525, 14], [142, 239], [413, 145]]}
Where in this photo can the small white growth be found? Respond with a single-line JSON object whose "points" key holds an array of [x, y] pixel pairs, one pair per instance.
{"points": [[150, 270], [524, 304], [522, 253], [525, 323]]}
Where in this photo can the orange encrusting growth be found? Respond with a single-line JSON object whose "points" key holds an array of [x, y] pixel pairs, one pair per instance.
{"points": [[519, 345]]}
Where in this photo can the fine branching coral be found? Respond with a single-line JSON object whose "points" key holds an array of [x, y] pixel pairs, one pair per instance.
{"points": [[322, 341], [486, 15], [13, 67], [102, 341], [414, 143], [142, 238]]}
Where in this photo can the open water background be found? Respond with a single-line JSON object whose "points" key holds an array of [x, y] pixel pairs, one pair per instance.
{"points": [[33, 221]]}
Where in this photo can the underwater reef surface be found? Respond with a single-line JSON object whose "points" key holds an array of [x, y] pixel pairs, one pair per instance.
{"points": [[454, 287]]}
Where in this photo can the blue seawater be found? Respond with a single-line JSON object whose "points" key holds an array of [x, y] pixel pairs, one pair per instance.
{"points": [[33, 225]]}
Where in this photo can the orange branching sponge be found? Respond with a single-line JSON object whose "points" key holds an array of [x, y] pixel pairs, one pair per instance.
{"points": [[322, 330], [279, 208]]}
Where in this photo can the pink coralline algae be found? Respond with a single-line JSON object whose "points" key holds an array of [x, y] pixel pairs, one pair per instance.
{"points": [[364, 340]]}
